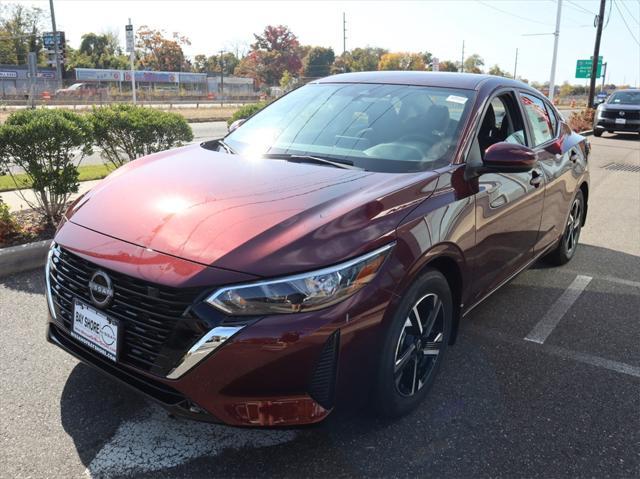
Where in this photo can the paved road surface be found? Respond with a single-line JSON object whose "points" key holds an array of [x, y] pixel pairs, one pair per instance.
{"points": [[501, 406]]}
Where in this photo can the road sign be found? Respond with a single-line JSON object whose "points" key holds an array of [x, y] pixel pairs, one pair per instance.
{"points": [[129, 30], [583, 68]]}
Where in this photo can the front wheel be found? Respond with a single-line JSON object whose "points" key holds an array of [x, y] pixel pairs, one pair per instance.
{"points": [[414, 346], [597, 132], [569, 241]]}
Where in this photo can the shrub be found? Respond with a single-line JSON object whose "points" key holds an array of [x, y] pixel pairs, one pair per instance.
{"points": [[127, 132], [8, 225], [246, 111], [582, 120], [44, 144]]}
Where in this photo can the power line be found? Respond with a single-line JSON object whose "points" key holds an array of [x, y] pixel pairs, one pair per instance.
{"points": [[512, 14], [625, 23], [580, 7], [630, 14]]}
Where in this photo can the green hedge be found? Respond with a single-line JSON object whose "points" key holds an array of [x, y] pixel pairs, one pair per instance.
{"points": [[46, 144], [246, 111], [127, 132]]}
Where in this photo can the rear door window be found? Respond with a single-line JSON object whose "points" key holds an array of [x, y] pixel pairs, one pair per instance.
{"points": [[539, 118]]}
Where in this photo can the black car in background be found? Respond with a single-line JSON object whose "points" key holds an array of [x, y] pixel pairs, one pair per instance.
{"points": [[620, 112]]}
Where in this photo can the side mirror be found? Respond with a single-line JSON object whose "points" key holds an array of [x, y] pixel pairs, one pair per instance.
{"points": [[236, 124], [508, 158]]}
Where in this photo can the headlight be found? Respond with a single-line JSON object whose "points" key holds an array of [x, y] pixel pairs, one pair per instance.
{"points": [[302, 292]]}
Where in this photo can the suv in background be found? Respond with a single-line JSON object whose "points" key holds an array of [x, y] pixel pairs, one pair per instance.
{"points": [[621, 112]]}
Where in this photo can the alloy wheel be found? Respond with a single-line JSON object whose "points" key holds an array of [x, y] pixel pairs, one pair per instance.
{"points": [[574, 223], [419, 345]]}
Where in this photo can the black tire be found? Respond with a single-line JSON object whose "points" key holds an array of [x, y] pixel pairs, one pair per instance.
{"points": [[610, 131], [597, 132], [568, 243], [392, 392]]}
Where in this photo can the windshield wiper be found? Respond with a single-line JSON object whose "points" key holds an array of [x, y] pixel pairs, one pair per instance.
{"points": [[346, 164]]}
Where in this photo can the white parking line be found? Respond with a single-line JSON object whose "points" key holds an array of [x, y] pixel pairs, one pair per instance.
{"points": [[616, 366], [153, 441], [543, 329]]}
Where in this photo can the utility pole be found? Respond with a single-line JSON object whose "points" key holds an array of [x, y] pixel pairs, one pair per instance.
{"points": [[515, 67], [221, 76], [556, 35], [462, 61], [344, 33], [596, 54], [56, 49], [132, 56]]}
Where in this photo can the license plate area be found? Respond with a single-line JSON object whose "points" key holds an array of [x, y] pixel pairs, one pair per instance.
{"points": [[621, 121], [96, 330]]}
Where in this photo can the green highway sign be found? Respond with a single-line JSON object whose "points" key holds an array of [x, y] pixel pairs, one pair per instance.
{"points": [[583, 68]]}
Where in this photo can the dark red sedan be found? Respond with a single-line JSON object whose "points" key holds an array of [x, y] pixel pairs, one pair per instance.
{"points": [[324, 252]]}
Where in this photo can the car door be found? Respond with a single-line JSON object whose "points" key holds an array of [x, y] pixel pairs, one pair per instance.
{"points": [[508, 205], [560, 158]]}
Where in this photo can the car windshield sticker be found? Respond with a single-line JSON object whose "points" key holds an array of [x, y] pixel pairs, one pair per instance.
{"points": [[457, 99]]}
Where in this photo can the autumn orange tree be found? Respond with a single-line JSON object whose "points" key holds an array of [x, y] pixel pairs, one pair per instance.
{"points": [[275, 51], [402, 61], [156, 52]]}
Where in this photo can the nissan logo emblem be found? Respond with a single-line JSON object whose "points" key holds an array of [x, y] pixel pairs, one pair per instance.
{"points": [[100, 289]]}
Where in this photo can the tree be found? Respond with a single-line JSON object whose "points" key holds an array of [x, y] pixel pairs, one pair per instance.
{"points": [[204, 64], [286, 81], [97, 51], [497, 71], [427, 58], [318, 61], [401, 61], [473, 63], [159, 53], [359, 60], [20, 33], [277, 49], [448, 66]]}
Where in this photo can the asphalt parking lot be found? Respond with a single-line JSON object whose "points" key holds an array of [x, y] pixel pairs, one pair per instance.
{"points": [[503, 405]]}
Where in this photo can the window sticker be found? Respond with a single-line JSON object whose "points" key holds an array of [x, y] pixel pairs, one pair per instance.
{"points": [[457, 99]]}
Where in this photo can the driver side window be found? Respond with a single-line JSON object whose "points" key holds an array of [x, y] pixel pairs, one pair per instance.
{"points": [[502, 122]]}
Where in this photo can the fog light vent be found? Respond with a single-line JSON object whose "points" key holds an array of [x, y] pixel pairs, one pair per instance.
{"points": [[323, 381]]}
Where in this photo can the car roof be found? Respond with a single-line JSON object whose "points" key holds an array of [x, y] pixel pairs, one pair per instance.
{"points": [[467, 81]]}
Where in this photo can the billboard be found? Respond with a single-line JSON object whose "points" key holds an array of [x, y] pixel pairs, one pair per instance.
{"points": [[95, 74]]}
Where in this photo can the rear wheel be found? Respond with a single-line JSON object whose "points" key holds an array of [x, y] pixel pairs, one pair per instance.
{"points": [[569, 241], [597, 132], [414, 346]]}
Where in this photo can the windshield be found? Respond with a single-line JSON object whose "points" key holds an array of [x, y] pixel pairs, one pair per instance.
{"points": [[390, 128], [625, 98]]}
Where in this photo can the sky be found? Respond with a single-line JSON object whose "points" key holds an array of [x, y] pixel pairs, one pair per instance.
{"points": [[491, 28]]}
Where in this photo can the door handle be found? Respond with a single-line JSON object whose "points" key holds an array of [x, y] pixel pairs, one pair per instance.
{"points": [[536, 179]]}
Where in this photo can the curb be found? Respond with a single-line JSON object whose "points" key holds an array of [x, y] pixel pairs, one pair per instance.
{"points": [[586, 133], [25, 257]]}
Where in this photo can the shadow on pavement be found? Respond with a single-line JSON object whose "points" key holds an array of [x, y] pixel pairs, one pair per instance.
{"points": [[28, 281]]}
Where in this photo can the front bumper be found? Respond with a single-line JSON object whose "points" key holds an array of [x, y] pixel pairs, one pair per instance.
{"points": [[610, 124], [280, 370]]}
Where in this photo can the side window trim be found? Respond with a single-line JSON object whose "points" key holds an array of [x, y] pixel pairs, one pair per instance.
{"points": [[556, 134]]}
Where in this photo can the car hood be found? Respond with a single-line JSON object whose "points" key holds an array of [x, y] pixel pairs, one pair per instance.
{"points": [[262, 217]]}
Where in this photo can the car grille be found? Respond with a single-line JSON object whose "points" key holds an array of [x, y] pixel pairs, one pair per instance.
{"points": [[149, 314], [628, 114]]}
